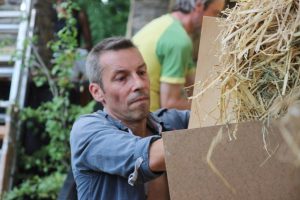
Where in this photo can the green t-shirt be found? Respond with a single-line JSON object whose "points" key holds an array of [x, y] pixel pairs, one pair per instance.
{"points": [[167, 51]]}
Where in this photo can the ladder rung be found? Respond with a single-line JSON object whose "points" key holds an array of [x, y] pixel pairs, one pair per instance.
{"points": [[4, 104], [9, 6], [9, 28], [5, 58], [6, 71], [3, 130], [7, 14]]}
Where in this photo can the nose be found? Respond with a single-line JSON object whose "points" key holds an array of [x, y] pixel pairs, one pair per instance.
{"points": [[138, 82]]}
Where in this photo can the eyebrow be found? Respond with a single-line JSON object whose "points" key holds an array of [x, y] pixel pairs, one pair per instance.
{"points": [[117, 71], [138, 67], [142, 65]]}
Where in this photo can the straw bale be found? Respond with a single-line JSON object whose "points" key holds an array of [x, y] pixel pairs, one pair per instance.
{"points": [[260, 56], [261, 59]]}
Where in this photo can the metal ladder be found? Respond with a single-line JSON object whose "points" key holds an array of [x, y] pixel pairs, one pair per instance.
{"points": [[16, 28]]}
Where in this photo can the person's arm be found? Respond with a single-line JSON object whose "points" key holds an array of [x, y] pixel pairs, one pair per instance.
{"points": [[190, 79], [171, 96], [157, 156], [189, 84], [98, 145], [173, 120]]}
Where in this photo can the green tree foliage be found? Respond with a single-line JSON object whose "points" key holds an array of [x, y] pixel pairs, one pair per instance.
{"points": [[43, 172], [106, 19]]}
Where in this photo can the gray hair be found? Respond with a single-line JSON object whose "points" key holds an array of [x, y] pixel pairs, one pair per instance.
{"points": [[187, 6], [93, 65]]}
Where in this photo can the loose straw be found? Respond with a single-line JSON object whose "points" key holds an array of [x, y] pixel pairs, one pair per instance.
{"points": [[216, 140], [260, 58]]}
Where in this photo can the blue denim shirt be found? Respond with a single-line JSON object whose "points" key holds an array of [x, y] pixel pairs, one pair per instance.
{"points": [[109, 161]]}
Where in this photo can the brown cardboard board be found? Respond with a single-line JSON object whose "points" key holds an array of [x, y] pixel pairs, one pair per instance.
{"points": [[243, 162], [204, 109]]}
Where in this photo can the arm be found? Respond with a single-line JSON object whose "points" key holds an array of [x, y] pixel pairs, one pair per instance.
{"points": [[171, 96], [97, 145], [190, 80], [173, 120], [157, 156]]}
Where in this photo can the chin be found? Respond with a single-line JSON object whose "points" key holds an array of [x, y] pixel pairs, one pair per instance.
{"points": [[140, 114], [143, 107]]}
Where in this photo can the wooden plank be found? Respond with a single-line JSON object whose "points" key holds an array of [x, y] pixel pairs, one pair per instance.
{"points": [[7, 156], [3, 132], [5, 167], [205, 108], [10, 14], [244, 164]]}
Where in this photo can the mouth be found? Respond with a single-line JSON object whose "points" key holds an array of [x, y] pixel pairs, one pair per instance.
{"points": [[140, 99]]}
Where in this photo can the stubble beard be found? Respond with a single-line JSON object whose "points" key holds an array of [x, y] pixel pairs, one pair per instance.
{"points": [[138, 113], [141, 111]]}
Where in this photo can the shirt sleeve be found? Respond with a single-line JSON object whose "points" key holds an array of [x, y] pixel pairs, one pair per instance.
{"points": [[174, 53], [173, 119], [101, 147]]}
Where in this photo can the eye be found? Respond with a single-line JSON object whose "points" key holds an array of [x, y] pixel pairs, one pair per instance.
{"points": [[142, 72], [120, 78]]}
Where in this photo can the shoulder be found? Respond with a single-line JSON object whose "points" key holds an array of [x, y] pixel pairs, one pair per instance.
{"points": [[173, 119], [176, 33], [153, 32], [174, 38], [90, 119], [86, 125]]}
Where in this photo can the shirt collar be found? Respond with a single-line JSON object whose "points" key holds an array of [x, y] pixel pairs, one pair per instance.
{"points": [[153, 122]]}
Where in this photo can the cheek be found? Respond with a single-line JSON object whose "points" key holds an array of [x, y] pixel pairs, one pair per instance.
{"points": [[115, 97], [119, 95], [148, 82], [147, 85]]}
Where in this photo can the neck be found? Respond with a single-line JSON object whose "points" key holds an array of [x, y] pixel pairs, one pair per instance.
{"points": [[185, 20], [138, 128]]}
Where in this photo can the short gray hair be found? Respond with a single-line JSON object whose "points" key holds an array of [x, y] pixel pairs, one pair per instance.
{"points": [[93, 65], [187, 6]]}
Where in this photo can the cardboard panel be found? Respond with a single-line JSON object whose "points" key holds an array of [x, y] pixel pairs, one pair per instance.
{"points": [[243, 162], [204, 109]]}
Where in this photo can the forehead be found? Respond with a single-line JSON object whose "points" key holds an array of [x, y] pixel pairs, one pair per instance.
{"points": [[124, 58]]}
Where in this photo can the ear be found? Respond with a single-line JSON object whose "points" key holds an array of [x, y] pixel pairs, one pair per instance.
{"points": [[199, 6], [97, 92]]}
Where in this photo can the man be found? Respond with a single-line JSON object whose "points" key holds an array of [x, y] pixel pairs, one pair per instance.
{"points": [[116, 152], [166, 47]]}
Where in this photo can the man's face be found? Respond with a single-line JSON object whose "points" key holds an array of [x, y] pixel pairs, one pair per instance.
{"points": [[125, 92], [214, 9]]}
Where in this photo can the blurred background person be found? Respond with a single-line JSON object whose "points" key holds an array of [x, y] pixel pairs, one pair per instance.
{"points": [[167, 48]]}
